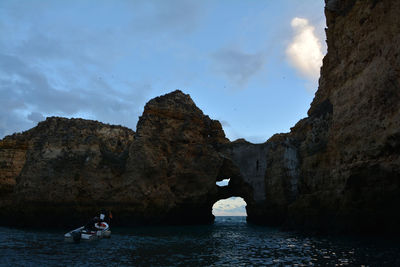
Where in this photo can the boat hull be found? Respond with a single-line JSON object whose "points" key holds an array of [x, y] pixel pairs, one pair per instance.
{"points": [[81, 234]]}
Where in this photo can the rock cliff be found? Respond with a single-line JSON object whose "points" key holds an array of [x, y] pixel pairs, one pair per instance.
{"points": [[60, 169], [173, 164], [65, 170], [337, 170], [349, 144]]}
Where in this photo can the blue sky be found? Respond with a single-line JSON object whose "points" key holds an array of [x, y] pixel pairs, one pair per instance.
{"points": [[253, 65], [104, 60]]}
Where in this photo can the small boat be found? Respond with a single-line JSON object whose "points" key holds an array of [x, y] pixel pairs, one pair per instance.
{"points": [[102, 231]]}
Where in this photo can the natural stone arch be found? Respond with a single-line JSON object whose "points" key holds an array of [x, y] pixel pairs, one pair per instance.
{"points": [[236, 187]]}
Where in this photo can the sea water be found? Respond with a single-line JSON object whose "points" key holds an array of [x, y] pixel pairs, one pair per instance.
{"points": [[230, 241]]}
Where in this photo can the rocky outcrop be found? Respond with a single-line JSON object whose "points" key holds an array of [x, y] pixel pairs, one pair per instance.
{"points": [[349, 144], [173, 163], [60, 166], [65, 170], [339, 169], [13, 155]]}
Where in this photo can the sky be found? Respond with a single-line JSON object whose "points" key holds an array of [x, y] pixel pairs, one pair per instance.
{"points": [[252, 65]]}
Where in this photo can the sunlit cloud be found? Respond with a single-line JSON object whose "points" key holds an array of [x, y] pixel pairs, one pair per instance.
{"points": [[305, 50]]}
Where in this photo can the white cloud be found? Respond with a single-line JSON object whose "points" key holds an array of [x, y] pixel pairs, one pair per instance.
{"points": [[305, 50], [234, 206]]}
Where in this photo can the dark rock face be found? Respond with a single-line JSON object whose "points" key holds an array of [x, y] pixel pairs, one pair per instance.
{"points": [[65, 170], [61, 170], [173, 163], [350, 171], [337, 170]]}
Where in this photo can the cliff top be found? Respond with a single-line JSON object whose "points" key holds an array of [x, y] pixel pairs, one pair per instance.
{"points": [[175, 101], [60, 125]]}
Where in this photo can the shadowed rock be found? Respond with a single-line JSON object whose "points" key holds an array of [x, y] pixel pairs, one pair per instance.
{"points": [[61, 169], [339, 169], [173, 163], [64, 170]]}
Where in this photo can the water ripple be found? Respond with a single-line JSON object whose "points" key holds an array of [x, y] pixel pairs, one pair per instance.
{"points": [[229, 242]]}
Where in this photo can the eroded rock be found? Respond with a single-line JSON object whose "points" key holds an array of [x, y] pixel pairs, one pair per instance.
{"points": [[61, 170], [65, 170], [174, 162], [344, 157]]}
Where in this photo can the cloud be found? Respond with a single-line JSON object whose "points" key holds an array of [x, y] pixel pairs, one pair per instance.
{"points": [[83, 59], [234, 206], [36, 117], [305, 50], [177, 17], [28, 94], [237, 65], [49, 66]]}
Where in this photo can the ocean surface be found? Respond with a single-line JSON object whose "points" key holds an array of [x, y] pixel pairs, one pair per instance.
{"points": [[230, 241]]}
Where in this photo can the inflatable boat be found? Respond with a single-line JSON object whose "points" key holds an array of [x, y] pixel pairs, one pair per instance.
{"points": [[102, 230]]}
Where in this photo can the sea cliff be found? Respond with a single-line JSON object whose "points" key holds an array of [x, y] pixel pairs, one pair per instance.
{"points": [[336, 170]]}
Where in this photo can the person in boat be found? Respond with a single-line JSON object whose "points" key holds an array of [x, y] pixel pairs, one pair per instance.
{"points": [[103, 217], [90, 225], [108, 217]]}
